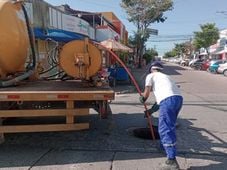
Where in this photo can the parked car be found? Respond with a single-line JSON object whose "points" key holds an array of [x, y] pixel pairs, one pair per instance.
{"points": [[206, 64], [222, 69], [184, 62], [192, 62], [197, 64], [214, 64]]}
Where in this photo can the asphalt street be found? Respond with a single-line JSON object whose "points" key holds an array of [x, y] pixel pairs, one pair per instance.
{"points": [[110, 144]]}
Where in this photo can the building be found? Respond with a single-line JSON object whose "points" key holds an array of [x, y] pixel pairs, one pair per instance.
{"points": [[54, 25], [120, 27], [219, 50]]}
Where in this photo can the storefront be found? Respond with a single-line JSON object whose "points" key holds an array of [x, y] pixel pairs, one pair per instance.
{"points": [[221, 51]]}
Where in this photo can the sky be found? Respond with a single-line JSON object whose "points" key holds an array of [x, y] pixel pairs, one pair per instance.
{"points": [[185, 18]]}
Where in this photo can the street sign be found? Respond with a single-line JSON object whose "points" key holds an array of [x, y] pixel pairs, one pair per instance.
{"points": [[152, 31]]}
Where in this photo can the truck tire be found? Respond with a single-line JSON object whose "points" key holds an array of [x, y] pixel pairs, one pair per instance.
{"points": [[104, 109]]}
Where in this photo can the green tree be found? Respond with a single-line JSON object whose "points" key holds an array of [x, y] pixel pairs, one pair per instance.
{"points": [[170, 54], [183, 49], [150, 55], [179, 48], [142, 13], [208, 35], [131, 41]]}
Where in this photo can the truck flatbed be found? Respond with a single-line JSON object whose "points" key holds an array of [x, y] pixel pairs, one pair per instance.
{"points": [[67, 93], [55, 90]]}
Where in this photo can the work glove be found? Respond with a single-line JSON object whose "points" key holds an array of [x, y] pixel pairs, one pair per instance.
{"points": [[142, 99], [153, 109]]}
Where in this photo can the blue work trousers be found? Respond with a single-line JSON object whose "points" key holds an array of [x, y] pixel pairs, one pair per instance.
{"points": [[169, 110]]}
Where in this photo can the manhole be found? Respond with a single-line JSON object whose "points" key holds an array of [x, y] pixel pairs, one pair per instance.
{"points": [[145, 133]]}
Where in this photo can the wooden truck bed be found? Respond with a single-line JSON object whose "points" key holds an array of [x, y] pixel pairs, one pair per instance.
{"points": [[67, 92], [58, 90]]}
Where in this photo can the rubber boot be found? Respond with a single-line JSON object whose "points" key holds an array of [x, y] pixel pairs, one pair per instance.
{"points": [[170, 164]]}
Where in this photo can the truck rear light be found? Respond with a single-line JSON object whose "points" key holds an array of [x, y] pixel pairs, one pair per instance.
{"points": [[13, 96], [63, 96]]}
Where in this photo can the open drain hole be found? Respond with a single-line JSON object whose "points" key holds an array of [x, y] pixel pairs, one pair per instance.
{"points": [[145, 133]]}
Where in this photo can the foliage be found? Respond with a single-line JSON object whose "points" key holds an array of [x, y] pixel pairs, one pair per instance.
{"points": [[123, 56], [181, 49], [184, 48], [170, 54], [150, 55], [143, 13], [208, 35], [131, 41]]}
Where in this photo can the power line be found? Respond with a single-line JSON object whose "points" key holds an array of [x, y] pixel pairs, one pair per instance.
{"points": [[169, 40], [222, 12], [171, 36], [175, 35]]}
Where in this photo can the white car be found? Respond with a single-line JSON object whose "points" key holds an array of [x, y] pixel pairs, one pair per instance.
{"points": [[222, 69]]}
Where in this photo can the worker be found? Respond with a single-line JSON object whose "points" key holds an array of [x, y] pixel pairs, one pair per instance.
{"points": [[169, 99]]}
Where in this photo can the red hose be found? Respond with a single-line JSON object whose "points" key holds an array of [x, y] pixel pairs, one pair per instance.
{"points": [[137, 88]]}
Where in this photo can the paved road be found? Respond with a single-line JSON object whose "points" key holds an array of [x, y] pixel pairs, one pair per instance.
{"points": [[110, 145]]}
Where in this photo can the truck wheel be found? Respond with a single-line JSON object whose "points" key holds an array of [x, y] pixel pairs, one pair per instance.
{"points": [[104, 109]]}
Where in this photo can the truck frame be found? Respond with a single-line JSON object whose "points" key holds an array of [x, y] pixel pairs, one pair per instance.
{"points": [[42, 99]]}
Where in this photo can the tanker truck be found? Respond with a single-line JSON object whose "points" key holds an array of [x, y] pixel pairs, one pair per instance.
{"points": [[25, 94]]}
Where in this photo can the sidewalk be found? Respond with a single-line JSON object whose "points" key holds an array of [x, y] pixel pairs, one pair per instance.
{"points": [[140, 75]]}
